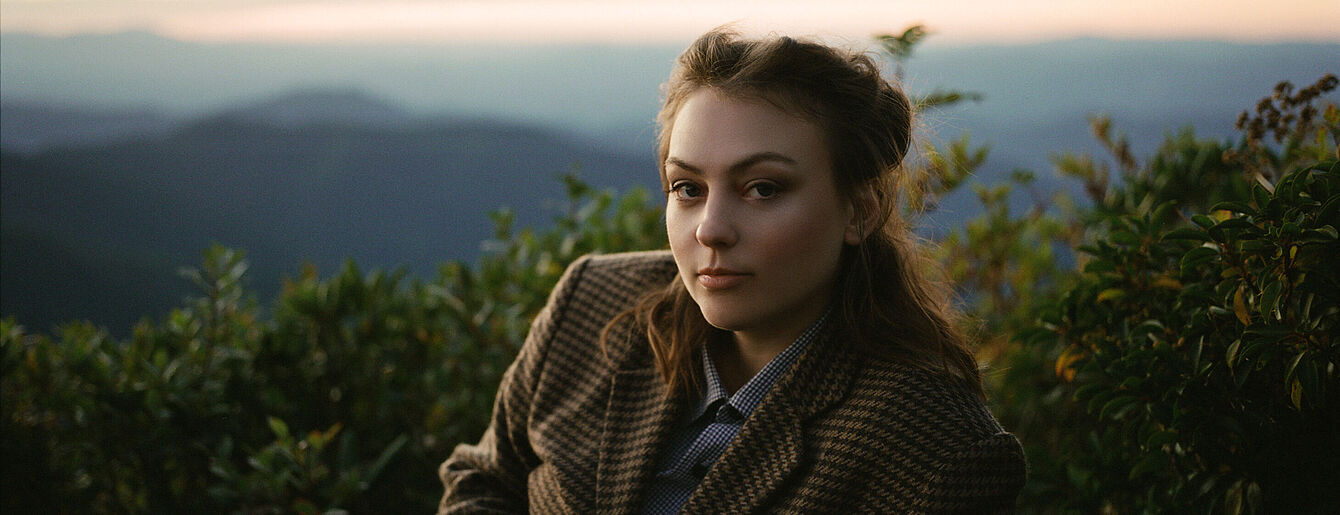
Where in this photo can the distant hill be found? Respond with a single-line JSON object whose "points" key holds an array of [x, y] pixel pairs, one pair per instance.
{"points": [[32, 127], [313, 177], [307, 108]]}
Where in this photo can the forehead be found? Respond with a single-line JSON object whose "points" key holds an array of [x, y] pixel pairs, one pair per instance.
{"points": [[716, 129]]}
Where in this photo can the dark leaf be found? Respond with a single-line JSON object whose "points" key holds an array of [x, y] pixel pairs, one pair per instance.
{"points": [[1187, 233], [1197, 256], [1235, 206]]}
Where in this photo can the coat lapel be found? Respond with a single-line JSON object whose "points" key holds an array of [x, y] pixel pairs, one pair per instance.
{"points": [[638, 419], [770, 447]]}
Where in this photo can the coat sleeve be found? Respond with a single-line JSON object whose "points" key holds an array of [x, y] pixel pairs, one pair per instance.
{"points": [[490, 476], [985, 477]]}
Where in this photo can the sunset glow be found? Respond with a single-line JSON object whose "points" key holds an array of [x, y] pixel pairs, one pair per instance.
{"points": [[541, 21]]}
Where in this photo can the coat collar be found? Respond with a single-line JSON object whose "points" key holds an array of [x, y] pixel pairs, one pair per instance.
{"points": [[767, 451], [769, 448]]}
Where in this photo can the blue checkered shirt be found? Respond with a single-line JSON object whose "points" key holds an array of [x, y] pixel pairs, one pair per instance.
{"points": [[711, 424]]}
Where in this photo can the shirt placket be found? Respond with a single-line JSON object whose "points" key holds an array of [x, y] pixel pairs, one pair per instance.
{"points": [[710, 444]]}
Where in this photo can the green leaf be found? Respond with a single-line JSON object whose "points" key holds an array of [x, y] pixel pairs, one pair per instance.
{"points": [[900, 47], [1321, 234], [1296, 394], [1125, 238], [1262, 197], [1096, 403], [1087, 390], [1235, 206], [1330, 212], [1270, 297], [1111, 294], [1267, 333], [1240, 305], [1293, 364], [1241, 375], [1187, 233], [1150, 325], [1077, 475], [1233, 499], [1132, 383], [1253, 497], [1305, 311], [1114, 406], [1231, 354], [1160, 439], [1203, 221], [1197, 256], [279, 427], [1237, 224], [1148, 465]]}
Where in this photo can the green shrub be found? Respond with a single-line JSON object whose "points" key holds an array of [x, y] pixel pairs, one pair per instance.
{"points": [[1207, 354], [1126, 386], [347, 396]]}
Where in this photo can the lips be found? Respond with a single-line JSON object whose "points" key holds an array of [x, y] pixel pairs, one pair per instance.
{"points": [[718, 278]]}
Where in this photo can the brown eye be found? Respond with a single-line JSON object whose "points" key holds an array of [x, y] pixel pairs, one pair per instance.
{"points": [[763, 190], [686, 190]]}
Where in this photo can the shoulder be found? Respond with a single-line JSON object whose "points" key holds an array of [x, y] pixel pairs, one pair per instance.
{"points": [[923, 401], [592, 291], [638, 270], [600, 286], [931, 432], [595, 290]]}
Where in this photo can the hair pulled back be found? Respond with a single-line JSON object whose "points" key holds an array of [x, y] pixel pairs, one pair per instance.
{"points": [[884, 297]]}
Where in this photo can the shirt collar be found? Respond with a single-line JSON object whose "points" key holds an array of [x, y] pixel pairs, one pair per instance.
{"points": [[751, 394]]}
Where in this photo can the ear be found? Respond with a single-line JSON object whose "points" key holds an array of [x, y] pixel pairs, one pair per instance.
{"points": [[864, 213]]}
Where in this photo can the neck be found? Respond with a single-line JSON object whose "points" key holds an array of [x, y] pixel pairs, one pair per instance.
{"points": [[741, 355]]}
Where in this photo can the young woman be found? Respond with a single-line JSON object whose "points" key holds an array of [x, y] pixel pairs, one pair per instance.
{"points": [[786, 356]]}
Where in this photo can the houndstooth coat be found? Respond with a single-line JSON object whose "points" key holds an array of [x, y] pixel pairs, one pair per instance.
{"points": [[576, 430]]}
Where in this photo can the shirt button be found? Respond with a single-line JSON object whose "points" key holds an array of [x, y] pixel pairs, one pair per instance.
{"points": [[699, 470]]}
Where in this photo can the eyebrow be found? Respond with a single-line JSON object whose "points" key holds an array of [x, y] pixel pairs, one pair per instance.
{"points": [[739, 166]]}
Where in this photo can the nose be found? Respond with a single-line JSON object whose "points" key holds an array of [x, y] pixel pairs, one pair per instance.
{"points": [[716, 228]]}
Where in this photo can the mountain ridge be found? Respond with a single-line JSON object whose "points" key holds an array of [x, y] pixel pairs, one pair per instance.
{"points": [[385, 195]]}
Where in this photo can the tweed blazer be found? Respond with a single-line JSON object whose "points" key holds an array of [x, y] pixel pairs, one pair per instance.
{"points": [[578, 429]]}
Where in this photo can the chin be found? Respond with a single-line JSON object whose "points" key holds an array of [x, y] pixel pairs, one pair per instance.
{"points": [[722, 317]]}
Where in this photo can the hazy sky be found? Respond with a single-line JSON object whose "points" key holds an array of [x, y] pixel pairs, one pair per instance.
{"points": [[667, 21]]}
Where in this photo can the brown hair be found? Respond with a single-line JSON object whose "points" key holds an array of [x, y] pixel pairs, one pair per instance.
{"points": [[884, 295]]}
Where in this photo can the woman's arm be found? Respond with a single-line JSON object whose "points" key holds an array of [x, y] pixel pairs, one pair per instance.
{"points": [[491, 475], [986, 477]]}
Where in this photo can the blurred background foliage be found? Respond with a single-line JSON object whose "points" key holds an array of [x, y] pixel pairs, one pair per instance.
{"points": [[1166, 341]]}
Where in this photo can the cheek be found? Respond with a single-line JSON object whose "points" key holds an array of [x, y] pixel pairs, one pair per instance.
{"points": [[680, 233], [677, 227], [804, 252], [804, 232], [801, 252]]}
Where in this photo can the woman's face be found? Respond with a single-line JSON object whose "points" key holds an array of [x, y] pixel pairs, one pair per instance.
{"points": [[755, 221]]}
